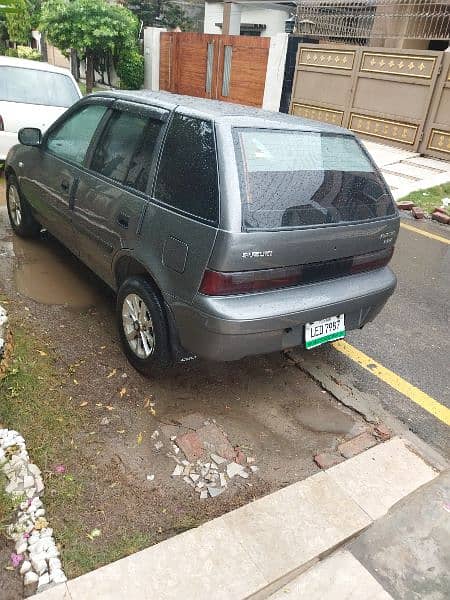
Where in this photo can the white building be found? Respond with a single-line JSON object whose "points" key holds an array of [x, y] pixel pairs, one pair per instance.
{"points": [[249, 17]]}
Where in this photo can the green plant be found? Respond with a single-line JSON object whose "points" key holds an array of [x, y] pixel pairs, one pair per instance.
{"points": [[19, 21], [29, 53], [11, 52], [160, 13], [92, 27], [130, 69], [430, 198]]}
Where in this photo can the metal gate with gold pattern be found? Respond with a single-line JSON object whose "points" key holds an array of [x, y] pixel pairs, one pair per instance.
{"points": [[399, 97]]}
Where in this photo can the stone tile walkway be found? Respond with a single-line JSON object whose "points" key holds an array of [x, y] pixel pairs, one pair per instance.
{"points": [[254, 551], [406, 171]]}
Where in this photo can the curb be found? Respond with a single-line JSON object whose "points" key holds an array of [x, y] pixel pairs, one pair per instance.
{"points": [[257, 549]]}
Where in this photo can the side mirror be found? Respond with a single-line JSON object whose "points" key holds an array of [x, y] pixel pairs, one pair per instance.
{"points": [[30, 136]]}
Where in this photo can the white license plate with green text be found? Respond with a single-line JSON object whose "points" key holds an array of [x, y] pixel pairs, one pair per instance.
{"points": [[326, 330]]}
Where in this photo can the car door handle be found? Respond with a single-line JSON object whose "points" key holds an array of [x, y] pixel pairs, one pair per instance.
{"points": [[123, 220], [65, 185]]}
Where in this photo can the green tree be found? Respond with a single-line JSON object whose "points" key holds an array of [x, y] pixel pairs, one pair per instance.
{"points": [[19, 22], [92, 27], [160, 13]]}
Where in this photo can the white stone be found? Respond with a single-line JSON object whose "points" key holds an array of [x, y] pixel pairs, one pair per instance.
{"points": [[39, 485], [21, 546], [36, 548], [253, 468], [203, 494], [25, 567], [54, 564], [223, 480], [150, 477], [236, 469], [44, 579], [195, 477], [215, 491], [58, 576], [218, 459], [39, 564], [52, 553], [47, 532], [33, 469], [177, 471], [30, 578], [40, 512]]}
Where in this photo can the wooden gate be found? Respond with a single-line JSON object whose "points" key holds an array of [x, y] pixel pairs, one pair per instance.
{"points": [[231, 68], [384, 95]]}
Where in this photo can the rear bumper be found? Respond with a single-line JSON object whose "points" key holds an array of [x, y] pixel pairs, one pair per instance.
{"points": [[7, 141], [229, 328]]}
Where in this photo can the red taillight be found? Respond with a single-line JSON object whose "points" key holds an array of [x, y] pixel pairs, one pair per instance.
{"points": [[2, 125], [244, 282], [373, 260], [217, 283]]}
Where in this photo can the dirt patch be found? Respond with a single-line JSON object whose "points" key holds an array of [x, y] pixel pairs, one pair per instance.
{"points": [[10, 581], [266, 406], [2, 190]]}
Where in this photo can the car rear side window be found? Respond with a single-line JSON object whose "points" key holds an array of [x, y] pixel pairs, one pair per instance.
{"points": [[187, 177], [71, 139], [125, 149], [303, 178]]}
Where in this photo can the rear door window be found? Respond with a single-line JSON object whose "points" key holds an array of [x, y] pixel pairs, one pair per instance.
{"points": [[121, 153], [187, 177], [300, 178]]}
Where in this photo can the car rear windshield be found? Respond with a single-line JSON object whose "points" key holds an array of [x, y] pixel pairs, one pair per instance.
{"points": [[33, 86], [294, 179]]}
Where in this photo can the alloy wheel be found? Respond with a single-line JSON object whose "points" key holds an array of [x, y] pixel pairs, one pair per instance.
{"points": [[138, 326], [15, 209]]}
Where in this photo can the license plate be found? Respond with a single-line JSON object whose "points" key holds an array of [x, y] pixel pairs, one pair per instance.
{"points": [[326, 330]]}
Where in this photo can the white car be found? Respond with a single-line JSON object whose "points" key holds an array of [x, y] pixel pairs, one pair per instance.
{"points": [[32, 94]]}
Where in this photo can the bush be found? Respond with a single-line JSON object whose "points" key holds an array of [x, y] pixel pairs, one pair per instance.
{"points": [[23, 52], [130, 69], [29, 53], [11, 52]]}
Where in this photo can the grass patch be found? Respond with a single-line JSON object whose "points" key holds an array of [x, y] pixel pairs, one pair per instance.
{"points": [[7, 505], [87, 555], [430, 198], [32, 402]]}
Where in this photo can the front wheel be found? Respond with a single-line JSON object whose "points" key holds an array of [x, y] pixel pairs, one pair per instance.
{"points": [[20, 214], [143, 327]]}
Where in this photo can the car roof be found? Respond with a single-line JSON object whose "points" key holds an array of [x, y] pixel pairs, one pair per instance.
{"points": [[224, 112], [23, 63]]}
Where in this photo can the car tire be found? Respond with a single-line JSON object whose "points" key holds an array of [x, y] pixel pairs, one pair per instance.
{"points": [[20, 214], [143, 327]]}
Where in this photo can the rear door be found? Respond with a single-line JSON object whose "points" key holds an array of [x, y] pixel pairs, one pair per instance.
{"points": [[185, 202], [112, 192]]}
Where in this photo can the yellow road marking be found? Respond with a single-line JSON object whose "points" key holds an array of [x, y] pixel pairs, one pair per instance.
{"points": [[427, 234], [428, 403]]}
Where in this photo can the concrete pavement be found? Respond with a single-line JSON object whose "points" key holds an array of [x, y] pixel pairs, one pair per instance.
{"points": [[261, 548], [407, 171]]}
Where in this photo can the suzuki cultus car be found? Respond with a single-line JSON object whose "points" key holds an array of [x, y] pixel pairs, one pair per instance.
{"points": [[226, 231]]}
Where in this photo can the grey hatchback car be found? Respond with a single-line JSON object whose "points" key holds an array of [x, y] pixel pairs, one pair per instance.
{"points": [[226, 231]]}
